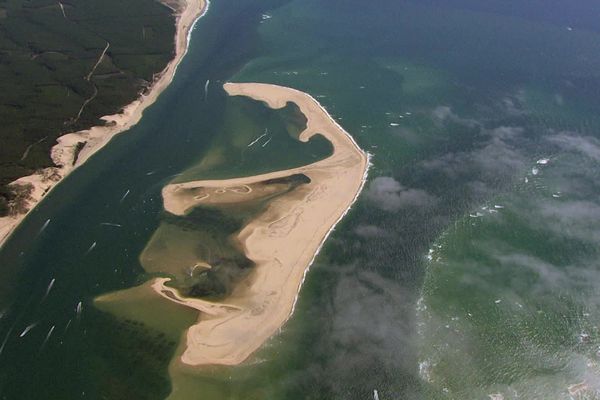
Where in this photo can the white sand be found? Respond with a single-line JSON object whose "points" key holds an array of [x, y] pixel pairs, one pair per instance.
{"points": [[282, 241]]}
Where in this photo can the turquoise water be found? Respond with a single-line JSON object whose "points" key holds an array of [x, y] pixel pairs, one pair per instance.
{"points": [[426, 290]]}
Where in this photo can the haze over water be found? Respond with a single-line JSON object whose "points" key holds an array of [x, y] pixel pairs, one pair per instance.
{"points": [[468, 268]]}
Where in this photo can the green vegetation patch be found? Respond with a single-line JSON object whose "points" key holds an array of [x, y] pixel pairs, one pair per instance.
{"points": [[51, 64]]}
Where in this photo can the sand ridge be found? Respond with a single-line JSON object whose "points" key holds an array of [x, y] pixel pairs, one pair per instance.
{"points": [[63, 154], [282, 240]]}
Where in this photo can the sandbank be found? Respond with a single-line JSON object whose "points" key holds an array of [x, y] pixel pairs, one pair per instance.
{"points": [[65, 152], [282, 240]]}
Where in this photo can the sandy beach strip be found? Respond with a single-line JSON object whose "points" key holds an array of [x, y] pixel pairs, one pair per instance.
{"points": [[282, 240], [188, 12]]}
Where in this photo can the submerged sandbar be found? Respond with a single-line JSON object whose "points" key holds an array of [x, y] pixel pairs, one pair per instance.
{"points": [[282, 240]]}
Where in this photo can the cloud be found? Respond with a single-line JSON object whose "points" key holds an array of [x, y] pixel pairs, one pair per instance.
{"points": [[572, 212], [576, 219], [443, 114], [496, 157], [389, 195], [505, 132], [559, 100], [514, 105], [551, 276], [370, 231], [586, 145], [369, 336], [371, 326], [578, 278]]}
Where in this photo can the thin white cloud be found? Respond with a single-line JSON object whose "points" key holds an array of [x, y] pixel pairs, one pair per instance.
{"points": [[389, 195]]}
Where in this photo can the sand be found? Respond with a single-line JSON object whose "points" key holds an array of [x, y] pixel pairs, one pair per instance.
{"points": [[282, 241], [187, 11]]}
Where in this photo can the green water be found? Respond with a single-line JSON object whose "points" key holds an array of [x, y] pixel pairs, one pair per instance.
{"points": [[255, 139], [457, 101]]}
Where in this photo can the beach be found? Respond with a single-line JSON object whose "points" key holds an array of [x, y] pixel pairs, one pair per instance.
{"points": [[282, 240], [67, 154]]}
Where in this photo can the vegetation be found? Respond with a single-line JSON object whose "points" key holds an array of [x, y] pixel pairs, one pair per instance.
{"points": [[55, 79]]}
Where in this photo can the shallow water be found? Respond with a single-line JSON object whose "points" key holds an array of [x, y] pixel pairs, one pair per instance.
{"points": [[461, 103]]}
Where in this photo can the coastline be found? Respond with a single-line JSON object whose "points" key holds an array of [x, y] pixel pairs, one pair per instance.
{"points": [[65, 154], [282, 241]]}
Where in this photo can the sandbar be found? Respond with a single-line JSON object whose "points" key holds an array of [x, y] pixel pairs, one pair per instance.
{"points": [[65, 152], [282, 240]]}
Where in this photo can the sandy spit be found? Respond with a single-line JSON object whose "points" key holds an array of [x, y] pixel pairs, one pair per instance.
{"points": [[188, 12], [282, 241]]}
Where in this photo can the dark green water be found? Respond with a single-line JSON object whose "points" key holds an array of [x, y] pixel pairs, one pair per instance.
{"points": [[426, 290]]}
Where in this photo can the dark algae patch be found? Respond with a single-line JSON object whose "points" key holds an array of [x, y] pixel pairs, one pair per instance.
{"points": [[200, 251], [213, 231], [48, 50], [138, 369]]}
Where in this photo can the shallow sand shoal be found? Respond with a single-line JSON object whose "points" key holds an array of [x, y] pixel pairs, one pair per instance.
{"points": [[188, 11], [282, 241]]}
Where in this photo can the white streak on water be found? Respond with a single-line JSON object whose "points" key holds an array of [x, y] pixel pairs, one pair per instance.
{"points": [[49, 288], [6, 339], [110, 224], [206, 89], [125, 195], [67, 327], [267, 142], [62, 8], [257, 139], [44, 226], [47, 336], [92, 247], [26, 330]]}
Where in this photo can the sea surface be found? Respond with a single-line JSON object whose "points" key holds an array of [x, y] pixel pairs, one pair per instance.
{"points": [[468, 269]]}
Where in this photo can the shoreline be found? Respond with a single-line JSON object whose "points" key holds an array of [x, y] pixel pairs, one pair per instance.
{"points": [[64, 153], [282, 241]]}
